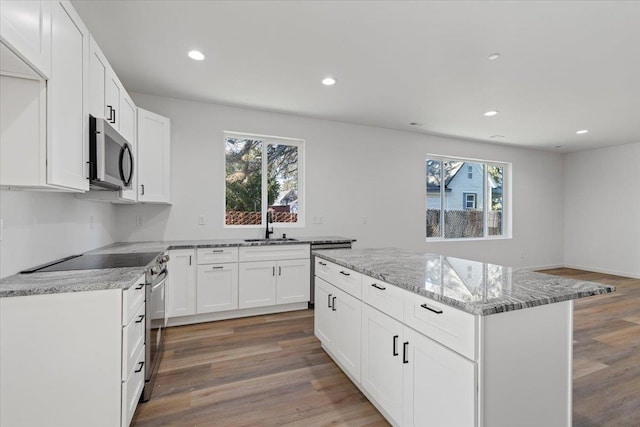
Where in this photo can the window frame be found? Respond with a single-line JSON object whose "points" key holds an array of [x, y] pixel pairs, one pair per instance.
{"points": [[506, 198], [465, 200], [266, 141]]}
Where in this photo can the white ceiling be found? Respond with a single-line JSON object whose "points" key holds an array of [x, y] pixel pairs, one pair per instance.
{"points": [[564, 66]]}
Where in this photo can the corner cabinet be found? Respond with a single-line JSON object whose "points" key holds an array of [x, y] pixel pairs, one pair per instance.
{"points": [[154, 158], [181, 284], [51, 146]]}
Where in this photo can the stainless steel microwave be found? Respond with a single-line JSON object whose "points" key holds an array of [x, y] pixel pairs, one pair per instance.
{"points": [[110, 157]]}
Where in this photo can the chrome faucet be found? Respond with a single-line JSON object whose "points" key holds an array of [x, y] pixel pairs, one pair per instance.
{"points": [[267, 231]]}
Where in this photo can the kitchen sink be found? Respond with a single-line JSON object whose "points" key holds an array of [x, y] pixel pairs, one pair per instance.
{"points": [[271, 240]]}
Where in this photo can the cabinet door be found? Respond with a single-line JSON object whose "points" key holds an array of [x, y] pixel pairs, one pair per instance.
{"points": [[293, 281], [257, 284], [26, 27], [181, 284], [348, 312], [439, 385], [113, 91], [324, 321], [98, 70], [68, 100], [381, 377], [217, 287], [154, 149]]}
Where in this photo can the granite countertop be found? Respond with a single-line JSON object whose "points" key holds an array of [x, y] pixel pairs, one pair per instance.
{"points": [[123, 278], [471, 286]]}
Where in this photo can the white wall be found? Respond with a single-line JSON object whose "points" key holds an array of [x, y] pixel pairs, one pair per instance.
{"points": [[353, 173], [602, 210], [43, 226]]}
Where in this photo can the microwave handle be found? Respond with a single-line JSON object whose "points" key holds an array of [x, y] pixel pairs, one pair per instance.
{"points": [[99, 135], [126, 151]]}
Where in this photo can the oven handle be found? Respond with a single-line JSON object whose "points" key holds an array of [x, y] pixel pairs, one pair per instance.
{"points": [[160, 280]]}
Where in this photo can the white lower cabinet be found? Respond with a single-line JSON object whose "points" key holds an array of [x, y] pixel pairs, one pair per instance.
{"points": [[217, 287], [292, 281], [382, 352], [439, 387], [181, 284], [338, 325], [257, 284], [72, 359]]}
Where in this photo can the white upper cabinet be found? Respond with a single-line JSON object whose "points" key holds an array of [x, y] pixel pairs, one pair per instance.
{"points": [[25, 26], [154, 162], [44, 141]]}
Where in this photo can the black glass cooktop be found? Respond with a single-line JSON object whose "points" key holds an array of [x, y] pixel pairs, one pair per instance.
{"points": [[90, 262]]}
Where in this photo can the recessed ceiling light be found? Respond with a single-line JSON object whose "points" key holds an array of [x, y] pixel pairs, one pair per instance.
{"points": [[494, 56], [496, 136], [329, 81], [583, 131], [415, 124], [196, 55], [491, 113]]}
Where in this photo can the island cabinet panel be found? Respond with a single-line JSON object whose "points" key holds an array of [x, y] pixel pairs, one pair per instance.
{"points": [[381, 376], [181, 283], [325, 322], [383, 296], [439, 385]]}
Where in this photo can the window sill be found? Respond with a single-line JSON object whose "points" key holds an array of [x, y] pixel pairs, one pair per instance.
{"points": [[467, 239]]}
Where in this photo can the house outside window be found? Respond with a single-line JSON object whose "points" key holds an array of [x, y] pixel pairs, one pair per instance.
{"points": [[263, 173], [467, 205]]}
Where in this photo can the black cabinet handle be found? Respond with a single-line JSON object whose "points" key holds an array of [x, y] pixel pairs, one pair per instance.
{"points": [[431, 309], [279, 271], [322, 263], [142, 187], [346, 274], [329, 301], [140, 286], [395, 345], [333, 303], [405, 352], [382, 288], [110, 113], [273, 273], [217, 251], [140, 318], [140, 368], [218, 267], [189, 259]]}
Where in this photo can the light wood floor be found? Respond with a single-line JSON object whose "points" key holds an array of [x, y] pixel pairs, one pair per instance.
{"points": [[271, 371]]}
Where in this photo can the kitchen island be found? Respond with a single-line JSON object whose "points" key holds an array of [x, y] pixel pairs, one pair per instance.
{"points": [[440, 341]]}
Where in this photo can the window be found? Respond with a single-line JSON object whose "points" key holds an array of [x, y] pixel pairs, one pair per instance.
{"points": [[469, 200], [462, 208], [263, 173]]}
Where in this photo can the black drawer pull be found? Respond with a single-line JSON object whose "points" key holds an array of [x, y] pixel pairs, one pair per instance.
{"points": [[140, 286], [140, 318], [217, 267], [382, 288], [329, 301], [333, 303], [322, 263], [217, 251], [431, 309], [395, 345], [140, 368], [346, 274], [405, 352]]}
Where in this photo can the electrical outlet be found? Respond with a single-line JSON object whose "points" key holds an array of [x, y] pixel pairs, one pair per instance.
{"points": [[138, 220], [201, 220]]}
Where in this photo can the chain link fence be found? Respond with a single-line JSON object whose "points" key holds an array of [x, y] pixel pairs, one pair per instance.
{"points": [[255, 218], [463, 223]]}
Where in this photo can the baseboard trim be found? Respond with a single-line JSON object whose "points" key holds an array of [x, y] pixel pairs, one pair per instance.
{"points": [[234, 314], [603, 271]]}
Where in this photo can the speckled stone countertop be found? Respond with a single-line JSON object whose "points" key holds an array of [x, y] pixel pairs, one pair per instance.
{"points": [[471, 286], [123, 278]]}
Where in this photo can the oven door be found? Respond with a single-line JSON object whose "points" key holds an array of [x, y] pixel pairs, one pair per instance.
{"points": [[156, 323]]}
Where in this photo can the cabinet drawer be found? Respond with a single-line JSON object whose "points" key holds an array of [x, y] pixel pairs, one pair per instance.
{"points": [[132, 341], [274, 253], [341, 277], [383, 296], [132, 388], [451, 327], [217, 255], [132, 299]]}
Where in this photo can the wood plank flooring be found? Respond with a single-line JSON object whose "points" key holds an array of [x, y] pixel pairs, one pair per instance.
{"points": [[270, 370]]}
